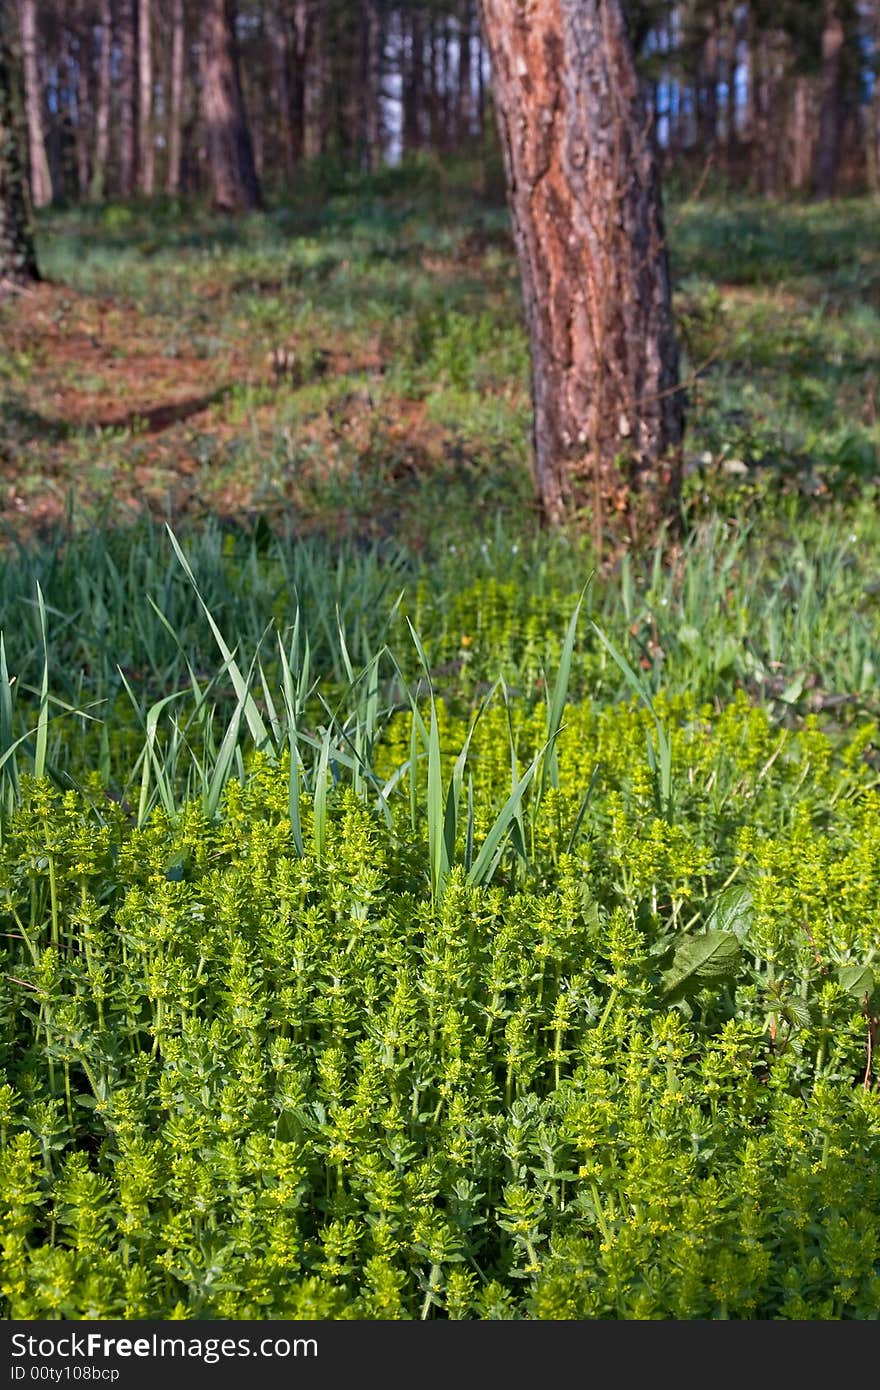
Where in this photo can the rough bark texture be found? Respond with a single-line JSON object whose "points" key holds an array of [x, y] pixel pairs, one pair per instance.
{"points": [[147, 168], [585, 200], [18, 263], [234, 181], [831, 102], [41, 180]]}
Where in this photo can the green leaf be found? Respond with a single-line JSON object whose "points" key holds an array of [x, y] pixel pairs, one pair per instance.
{"points": [[698, 961], [856, 979], [731, 912]]}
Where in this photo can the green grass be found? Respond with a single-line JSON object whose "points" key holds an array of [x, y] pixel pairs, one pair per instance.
{"points": [[402, 915]]}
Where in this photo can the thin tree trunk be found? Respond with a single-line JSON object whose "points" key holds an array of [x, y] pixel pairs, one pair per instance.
{"points": [[84, 122], [585, 200], [175, 108], [465, 102], [128, 150], [147, 170], [801, 135], [412, 86], [18, 261], [708, 88], [313, 78], [234, 183], [831, 102], [371, 85], [41, 180], [874, 118], [102, 113], [281, 59]]}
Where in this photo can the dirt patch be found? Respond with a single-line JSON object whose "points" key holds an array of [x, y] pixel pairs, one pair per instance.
{"points": [[104, 409]]}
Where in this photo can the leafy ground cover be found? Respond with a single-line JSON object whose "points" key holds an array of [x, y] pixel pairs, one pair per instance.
{"points": [[402, 916]]}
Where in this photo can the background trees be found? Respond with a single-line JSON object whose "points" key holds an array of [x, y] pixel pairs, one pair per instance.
{"points": [[779, 94]]}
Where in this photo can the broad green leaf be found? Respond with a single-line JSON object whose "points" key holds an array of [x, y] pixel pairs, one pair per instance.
{"points": [[856, 979], [732, 912], [709, 958]]}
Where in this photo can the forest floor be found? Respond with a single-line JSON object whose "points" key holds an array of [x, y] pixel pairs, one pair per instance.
{"points": [[355, 360]]}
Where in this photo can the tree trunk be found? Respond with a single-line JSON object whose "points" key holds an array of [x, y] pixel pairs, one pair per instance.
{"points": [[801, 146], [311, 26], [585, 200], [41, 181], [18, 262], [413, 75], [372, 48], [175, 109], [84, 105], [127, 97], [147, 171], [874, 117], [281, 59], [234, 183], [831, 102], [708, 88], [465, 101], [102, 113]]}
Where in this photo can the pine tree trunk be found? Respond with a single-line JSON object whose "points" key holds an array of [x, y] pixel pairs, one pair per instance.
{"points": [[313, 127], [234, 183], [128, 150], [80, 76], [102, 112], [585, 201], [175, 109], [831, 102], [41, 180], [303, 28], [147, 170], [874, 119], [801, 135], [281, 59], [413, 78], [371, 85], [18, 262], [708, 89], [465, 102]]}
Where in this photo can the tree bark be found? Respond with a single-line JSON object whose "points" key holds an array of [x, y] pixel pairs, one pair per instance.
{"points": [[128, 149], [102, 112], [147, 168], [18, 261], [234, 183], [175, 108], [41, 180], [587, 218], [831, 102]]}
